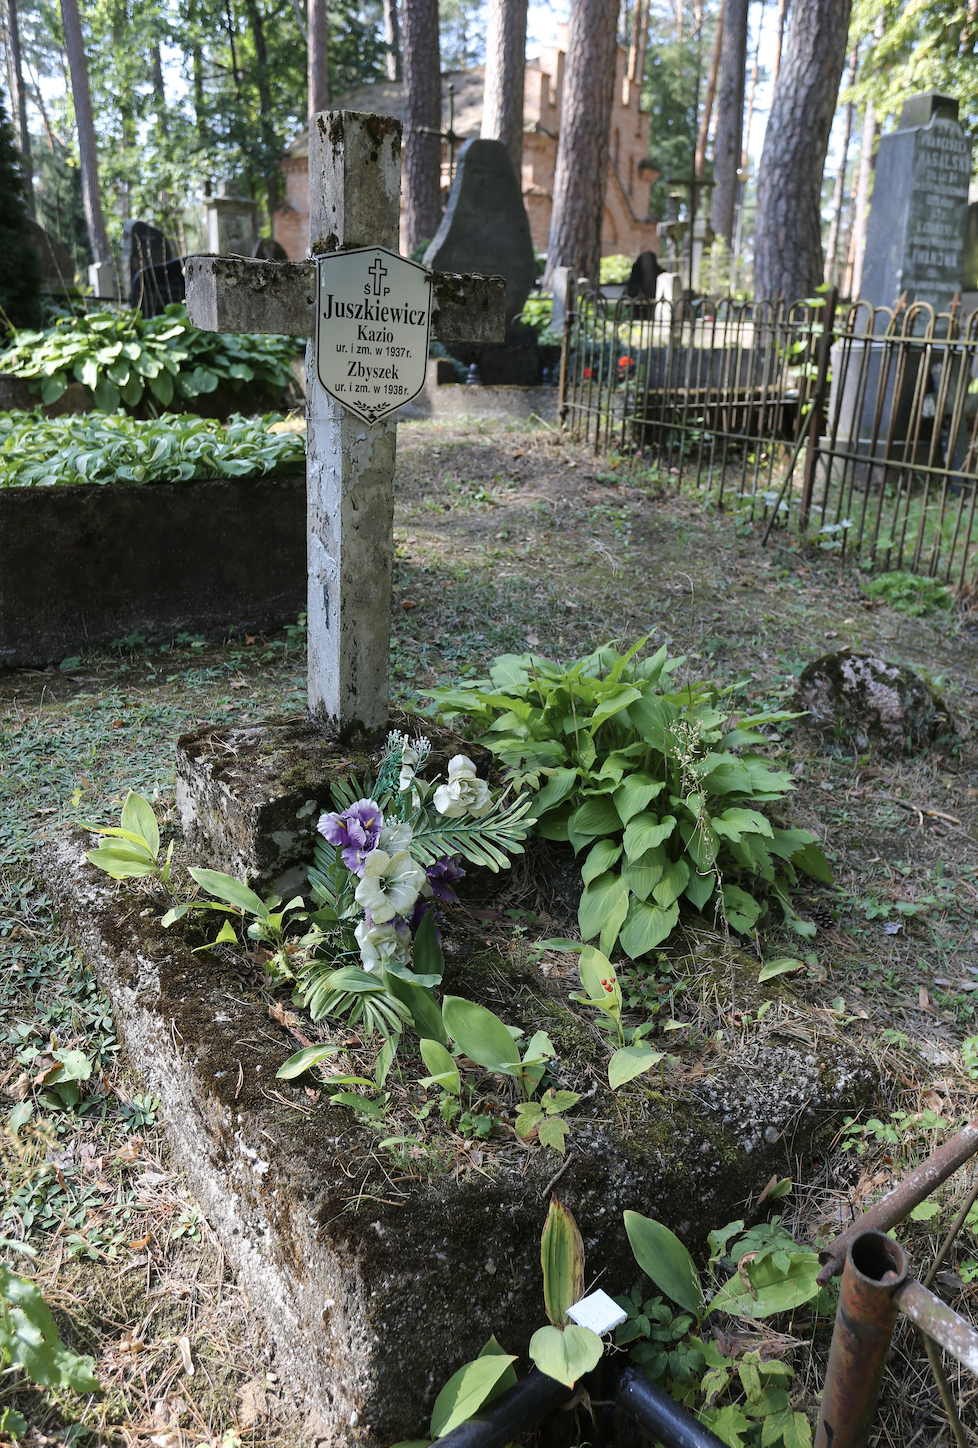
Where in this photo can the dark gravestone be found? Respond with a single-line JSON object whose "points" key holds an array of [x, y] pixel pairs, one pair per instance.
{"points": [[57, 267], [645, 273], [143, 246], [485, 227], [917, 221]]}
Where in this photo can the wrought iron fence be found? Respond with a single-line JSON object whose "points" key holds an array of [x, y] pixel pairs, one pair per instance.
{"points": [[857, 423]]}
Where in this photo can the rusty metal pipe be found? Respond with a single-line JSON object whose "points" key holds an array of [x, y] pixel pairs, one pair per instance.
{"points": [[899, 1203], [940, 1322], [875, 1267]]}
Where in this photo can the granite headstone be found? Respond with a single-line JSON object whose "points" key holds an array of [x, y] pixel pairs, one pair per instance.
{"points": [[644, 276], [143, 246], [917, 221], [485, 227]]}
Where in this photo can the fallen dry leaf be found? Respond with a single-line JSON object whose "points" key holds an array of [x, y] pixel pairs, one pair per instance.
{"points": [[254, 1404], [183, 1343]]}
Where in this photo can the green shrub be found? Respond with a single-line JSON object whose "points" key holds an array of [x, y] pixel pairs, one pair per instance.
{"points": [[909, 593], [125, 359], [665, 788], [615, 269], [43, 452]]}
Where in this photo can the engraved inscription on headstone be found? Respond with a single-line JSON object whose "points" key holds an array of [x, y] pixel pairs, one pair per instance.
{"points": [[372, 326], [918, 217]]}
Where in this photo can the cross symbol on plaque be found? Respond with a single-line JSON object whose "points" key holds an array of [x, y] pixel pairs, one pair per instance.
{"points": [[378, 271], [365, 358]]}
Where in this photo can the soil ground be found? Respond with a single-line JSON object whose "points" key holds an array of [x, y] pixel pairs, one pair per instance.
{"points": [[508, 539]]}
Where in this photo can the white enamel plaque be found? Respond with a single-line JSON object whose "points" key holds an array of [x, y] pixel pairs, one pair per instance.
{"points": [[372, 327]]}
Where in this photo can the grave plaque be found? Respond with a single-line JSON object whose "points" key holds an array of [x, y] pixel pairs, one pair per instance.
{"points": [[918, 218], [372, 326]]}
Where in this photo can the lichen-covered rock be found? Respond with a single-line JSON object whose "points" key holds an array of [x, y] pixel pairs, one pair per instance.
{"points": [[861, 698]]}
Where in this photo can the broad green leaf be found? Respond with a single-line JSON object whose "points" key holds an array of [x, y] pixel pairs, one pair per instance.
{"points": [[742, 910], [643, 874], [664, 1259], [770, 1288], [596, 816], [646, 927], [724, 774], [674, 879], [508, 1379], [480, 1034], [302, 1061], [226, 935], [552, 1132], [121, 864], [225, 887], [781, 966], [557, 788], [363, 1104], [811, 859], [631, 1061], [700, 887], [594, 968], [603, 903], [646, 831], [442, 1066], [634, 793], [600, 858], [562, 1260], [566, 1355], [734, 823], [466, 1391], [138, 843], [614, 701], [75, 1065], [425, 1012], [652, 715], [427, 958]]}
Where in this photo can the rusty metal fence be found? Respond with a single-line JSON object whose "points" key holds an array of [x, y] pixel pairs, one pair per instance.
{"points": [[856, 424]]}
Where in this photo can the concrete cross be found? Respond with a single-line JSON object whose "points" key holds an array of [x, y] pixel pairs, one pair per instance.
{"points": [[354, 198]]}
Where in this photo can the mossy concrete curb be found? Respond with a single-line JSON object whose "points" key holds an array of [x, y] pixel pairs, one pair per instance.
{"points": [[81, 566], [377, 1284]]}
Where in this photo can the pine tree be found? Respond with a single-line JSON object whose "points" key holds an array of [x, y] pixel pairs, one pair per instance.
{"points": [[20, 272]]}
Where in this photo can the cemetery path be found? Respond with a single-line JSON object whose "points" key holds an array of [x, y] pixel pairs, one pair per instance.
{"points": [[507, 539]]}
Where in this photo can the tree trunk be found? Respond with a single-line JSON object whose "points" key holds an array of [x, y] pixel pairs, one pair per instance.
{"points": [[864, 181], [18, 105], [392, 40], [317, 56], [582, 148], [502, 106], [422, 109], [788, 229], [699, 161], [265, 121], [639, 42], [730, 118], [159, 94], [832, 249], [782, 12], [87, 152]]}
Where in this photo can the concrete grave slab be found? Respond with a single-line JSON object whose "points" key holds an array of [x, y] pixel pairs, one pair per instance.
{"points": [[378, 1281]]}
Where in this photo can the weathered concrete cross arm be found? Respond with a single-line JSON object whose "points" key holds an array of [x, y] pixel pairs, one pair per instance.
{"points": [[233, 294]]}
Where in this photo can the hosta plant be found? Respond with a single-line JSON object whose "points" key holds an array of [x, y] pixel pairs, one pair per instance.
{"points": [[664, 790], [125, 359]]}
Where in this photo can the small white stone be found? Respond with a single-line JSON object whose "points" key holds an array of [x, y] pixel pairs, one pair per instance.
{"points": [[597, 1311]]}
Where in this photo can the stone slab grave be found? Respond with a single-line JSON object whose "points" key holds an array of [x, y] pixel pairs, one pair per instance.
{"points": [[378, 1279]]}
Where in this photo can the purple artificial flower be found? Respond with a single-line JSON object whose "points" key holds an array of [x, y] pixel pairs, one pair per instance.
{"points": [[355, 832], [443, 875], [419, 912]]}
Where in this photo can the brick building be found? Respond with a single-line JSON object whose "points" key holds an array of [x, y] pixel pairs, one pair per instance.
{"points": [[626, 226]]}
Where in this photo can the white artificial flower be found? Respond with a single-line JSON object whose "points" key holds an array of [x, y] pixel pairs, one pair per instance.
{"points": [[390, 885], [380, 944], [465, 792], [395, 836], [409, 758]]}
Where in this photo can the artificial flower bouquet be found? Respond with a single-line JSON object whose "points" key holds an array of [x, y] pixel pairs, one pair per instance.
{"points": [[384, 863]]}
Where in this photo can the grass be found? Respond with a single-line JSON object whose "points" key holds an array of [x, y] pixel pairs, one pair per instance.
{"points": [[506, 539]]}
